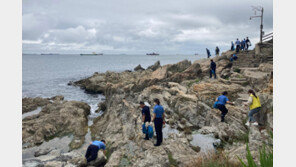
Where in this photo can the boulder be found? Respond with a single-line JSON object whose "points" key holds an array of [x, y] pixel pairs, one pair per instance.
{"points": [[266, 67], [139, 68], [43, 151], [155, 66], [30, 104]]}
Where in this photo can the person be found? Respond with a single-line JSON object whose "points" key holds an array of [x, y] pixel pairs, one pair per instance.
{"points": [[208, 52], [222, 101], [234, 57], [146, 118], [158, 119], [237, 45], [255, 107], [217, 51], [248, 43], [93, 148], [232, 46], [213, 69], [242, 45]]}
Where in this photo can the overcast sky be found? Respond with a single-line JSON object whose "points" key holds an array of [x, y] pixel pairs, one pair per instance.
{"points": [[138, 26]]}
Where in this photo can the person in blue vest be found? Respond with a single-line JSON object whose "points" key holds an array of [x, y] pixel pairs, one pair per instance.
{"points": [[158, 119], [93, 149], [222, 101], [146, 118], [213, 69], [238, 43]]}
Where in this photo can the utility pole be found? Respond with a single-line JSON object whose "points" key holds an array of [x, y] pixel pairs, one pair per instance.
{"points": [[260, 9]]}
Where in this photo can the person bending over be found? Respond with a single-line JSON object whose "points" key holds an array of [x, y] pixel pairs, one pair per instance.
{"points": [[93, 149]]}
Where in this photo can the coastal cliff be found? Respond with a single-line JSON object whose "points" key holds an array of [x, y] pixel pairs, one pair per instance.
{"points": [[187, 94]]}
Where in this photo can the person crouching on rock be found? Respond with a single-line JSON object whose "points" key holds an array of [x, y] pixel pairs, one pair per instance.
{"points": [[146, 117], [93, 148], [222, 100], [255, 107], [158, 119]]}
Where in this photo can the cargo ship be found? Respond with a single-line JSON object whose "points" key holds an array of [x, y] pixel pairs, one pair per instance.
{"points": [[92, 54], [152, 54]]}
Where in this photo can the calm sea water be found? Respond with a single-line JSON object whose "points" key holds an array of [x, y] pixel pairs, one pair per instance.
{"points": [[48, 75]]}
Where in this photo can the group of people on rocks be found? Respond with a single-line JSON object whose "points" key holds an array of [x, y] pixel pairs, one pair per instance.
{"points": [[241, 45]]}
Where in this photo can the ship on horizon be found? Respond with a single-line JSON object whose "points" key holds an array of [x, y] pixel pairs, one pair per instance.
{"points": [[152, 54], [91, 54], [49, 54]]}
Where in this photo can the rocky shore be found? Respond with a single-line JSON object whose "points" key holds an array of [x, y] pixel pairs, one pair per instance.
{"points": [[187, 95]]}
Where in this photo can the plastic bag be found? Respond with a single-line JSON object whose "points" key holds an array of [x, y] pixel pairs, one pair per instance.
{"points": [[150, 131]]}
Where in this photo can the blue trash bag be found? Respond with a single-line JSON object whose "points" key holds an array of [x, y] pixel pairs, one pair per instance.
{"points": [[215, 104], [144, 129], [150, 131]]}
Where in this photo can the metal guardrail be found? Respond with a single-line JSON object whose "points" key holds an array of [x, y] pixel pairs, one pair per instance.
{"points": [[267, 37]]}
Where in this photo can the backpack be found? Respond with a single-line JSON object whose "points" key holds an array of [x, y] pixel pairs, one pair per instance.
{"points": [[144, 129], [150, 131]]}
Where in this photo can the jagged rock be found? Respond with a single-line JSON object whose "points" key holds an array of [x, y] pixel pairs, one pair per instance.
{"points": [[30, 104], [266, 67], [139, 68], [54, 120], [155, 66], [102, 106], [42, 152], [57, 98]]}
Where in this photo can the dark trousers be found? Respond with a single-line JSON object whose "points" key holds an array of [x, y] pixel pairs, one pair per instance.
{"points": [[91, 152], [213, 72], [224, 111], [158, 129], [237, 48]]}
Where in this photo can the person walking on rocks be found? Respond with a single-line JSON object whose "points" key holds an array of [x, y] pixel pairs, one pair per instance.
{"points": [[232, 46], [255, 107], [237, 45], [93, 148], [217, 51], [146, 117], [248, 43], [213, 69], [208, 53], [222, 100], [158, 119]]}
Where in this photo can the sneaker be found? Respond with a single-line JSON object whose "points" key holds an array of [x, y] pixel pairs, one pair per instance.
{"points": [[248, 123], [255, 123]]}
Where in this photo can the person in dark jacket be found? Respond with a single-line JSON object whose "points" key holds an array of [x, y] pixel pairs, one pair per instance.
{"points": [[222, 100], [232, 46], [158, 119], [248, 43], [217, 51], [208, 53], [93, 149], [146, 118], [213, 69]]}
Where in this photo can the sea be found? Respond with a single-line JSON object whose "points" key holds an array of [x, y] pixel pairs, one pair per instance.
{"points": [[48, 75]]}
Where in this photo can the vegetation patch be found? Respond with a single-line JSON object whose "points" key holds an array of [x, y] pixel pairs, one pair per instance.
{"points": [[172, 161]]}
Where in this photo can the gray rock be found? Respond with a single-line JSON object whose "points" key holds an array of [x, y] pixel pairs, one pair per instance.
{"points": [[43, 151], [139, 68]]}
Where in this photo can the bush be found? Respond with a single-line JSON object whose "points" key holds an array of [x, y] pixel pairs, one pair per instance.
{"points": [[237, 70]]}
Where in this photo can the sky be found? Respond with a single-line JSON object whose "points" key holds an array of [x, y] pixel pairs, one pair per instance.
{"points": [[138, 26]]}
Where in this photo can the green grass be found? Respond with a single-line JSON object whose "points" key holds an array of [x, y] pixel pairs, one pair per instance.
{"points": [[237, 70], [192, 82], [172, 161]]}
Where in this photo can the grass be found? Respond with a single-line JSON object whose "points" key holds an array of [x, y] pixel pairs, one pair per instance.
{"points": [[192, 82], [172, 161], [237, 70], [213, 160], [265, 158]]}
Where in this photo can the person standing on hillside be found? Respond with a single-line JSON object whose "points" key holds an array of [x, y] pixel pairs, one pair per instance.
{"points": [[248, 43], [93, 148], [158, 119], [208, 53], [232, 46], [213, 69], [217, 51], [146, 118], [237, 45], [222, 101], [255, 107]]}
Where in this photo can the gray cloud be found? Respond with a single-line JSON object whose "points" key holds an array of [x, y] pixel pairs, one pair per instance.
{"points": [[134, 26]]}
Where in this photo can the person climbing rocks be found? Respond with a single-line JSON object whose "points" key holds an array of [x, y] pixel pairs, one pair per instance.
{"points": [[232, 46], [213, 69], [93, 148], [158, 119], [208, 53], [146, 117], [217, 51], [237, 45], [222, 101], [248, 43], [255, 107]]}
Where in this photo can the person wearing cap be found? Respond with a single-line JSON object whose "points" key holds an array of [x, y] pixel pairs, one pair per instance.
{"points": [[146, 117], [93, 149]]}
